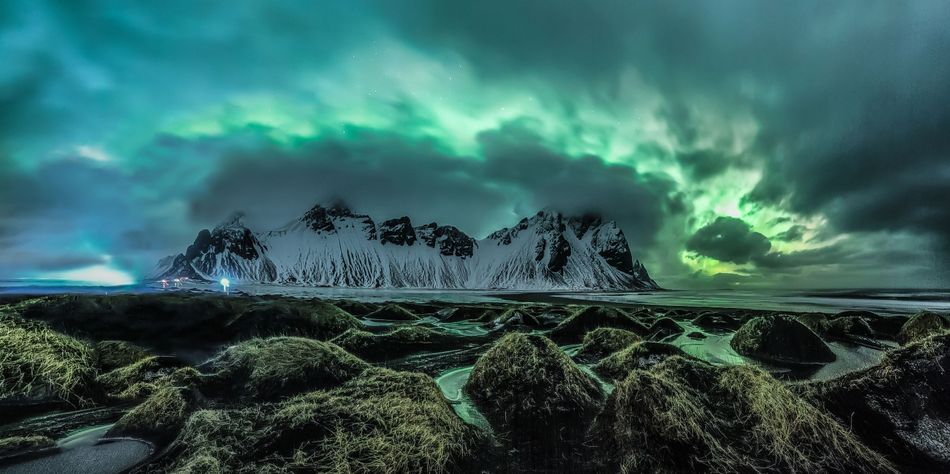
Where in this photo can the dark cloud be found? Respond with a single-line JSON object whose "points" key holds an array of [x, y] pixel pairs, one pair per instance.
{"points": [[729, 239], [703, 164], [884, 174], [874, 154], [47, 261], [517, 158], [794, 233], [852, 98], [69, 213], [384, 174], [20, 192], [832, 254], [388, 175]]}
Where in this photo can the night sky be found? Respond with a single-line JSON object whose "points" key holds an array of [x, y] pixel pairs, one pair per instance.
{"points": [[779, 144]]}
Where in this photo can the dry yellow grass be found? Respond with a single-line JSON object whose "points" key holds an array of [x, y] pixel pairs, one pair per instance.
{"points": [[685, 415], [38, 362], [380, 422]]}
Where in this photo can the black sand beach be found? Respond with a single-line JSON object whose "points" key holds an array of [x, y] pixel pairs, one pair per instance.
{"points": [[197, 382]]}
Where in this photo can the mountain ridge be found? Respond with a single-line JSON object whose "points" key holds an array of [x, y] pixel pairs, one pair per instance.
{"points": [[331, 245]]}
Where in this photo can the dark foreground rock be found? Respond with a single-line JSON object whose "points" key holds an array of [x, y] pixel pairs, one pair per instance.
{"points": [[537, 397], [664, 328], [716, 321], [687, 416], [781, 340], [848, 328], [901, 407]]}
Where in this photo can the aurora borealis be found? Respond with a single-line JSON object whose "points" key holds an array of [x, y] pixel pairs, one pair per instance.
{"points": [[792, 144]]}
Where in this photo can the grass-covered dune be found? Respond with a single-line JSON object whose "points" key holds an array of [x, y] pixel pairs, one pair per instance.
{"points": [[114, 354], [38, 363], [272, 368], [687, 416], [537, 398], [921, 325], [602, 342], [160, 417], [664, 328], [573, 329], [141, 378], [382, 421], [392, 312], [397, 342], [465, 313], [514, 319], [782, 340], [173, 321], [639, 355], [16, 444]]}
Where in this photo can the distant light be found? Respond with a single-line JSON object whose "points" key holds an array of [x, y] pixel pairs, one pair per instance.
{"points": [[225, 283], [93, 275]]}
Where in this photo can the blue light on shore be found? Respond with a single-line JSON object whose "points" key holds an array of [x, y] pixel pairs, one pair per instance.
{"points": [[225, 283]]}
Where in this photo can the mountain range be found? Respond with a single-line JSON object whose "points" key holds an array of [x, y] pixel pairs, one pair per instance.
{"points": [[333, 246]]}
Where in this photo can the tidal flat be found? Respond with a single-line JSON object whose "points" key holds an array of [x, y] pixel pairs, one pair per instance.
{"points": [[194, 382]]}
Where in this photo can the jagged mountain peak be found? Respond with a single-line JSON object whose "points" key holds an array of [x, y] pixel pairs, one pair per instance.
{"points": [[548, 220], [397, 232], [335, 216], [330, 245]]}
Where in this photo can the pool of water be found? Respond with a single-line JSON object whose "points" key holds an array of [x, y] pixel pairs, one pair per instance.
{"points": [[714, 349], [451, 383], [86, 451]]}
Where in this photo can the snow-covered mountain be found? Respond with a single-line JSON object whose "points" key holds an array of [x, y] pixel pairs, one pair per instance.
{"points": [[333, 246]]}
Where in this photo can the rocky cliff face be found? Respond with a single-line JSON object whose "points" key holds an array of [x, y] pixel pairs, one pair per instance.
{"points": [[333, 246]]}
